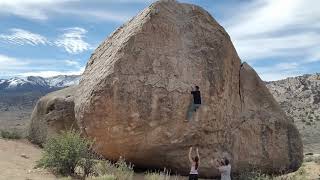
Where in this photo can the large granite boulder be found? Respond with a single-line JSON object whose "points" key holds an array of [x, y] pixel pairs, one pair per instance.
{"points": [[134, 95], [52, 114]]}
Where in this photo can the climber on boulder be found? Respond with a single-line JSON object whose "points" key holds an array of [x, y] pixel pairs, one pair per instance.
{"points": [[196, 102]]}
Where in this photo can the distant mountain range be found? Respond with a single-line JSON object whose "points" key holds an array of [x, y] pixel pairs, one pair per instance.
{"points": [[37, 83]]}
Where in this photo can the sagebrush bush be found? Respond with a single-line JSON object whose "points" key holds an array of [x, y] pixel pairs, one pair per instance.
{"points": [[64, 152], [120, 170], [10, 134]]}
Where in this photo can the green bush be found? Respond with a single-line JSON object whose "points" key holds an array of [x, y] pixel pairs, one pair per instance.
{"points": [[10, 134], [65, 152]]}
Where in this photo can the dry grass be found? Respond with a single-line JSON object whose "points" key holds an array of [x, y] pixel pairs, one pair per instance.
{"points": [[119, 171], [160, 175]]}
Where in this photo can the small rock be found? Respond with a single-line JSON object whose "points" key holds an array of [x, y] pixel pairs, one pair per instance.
{"points": [[24, 156]]}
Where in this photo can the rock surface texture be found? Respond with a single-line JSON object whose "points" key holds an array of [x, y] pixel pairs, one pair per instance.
{"points": [[134, 95], [53, 113]]}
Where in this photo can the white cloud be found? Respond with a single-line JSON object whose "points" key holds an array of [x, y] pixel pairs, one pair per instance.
{"points": [[11, 66], [273, 28], [283, 70], [30, 9], [22, 37], [52, 73], [72, 40], [10, 63], [99, 14], [45, 9], [72, 63], [279, 71]]}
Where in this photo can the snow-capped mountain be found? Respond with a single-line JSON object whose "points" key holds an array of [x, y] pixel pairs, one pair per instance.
{"points": [[63, 80], [37, 83]]}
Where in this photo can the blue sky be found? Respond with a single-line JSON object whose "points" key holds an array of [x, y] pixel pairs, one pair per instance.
{"points": [[279, 38]]}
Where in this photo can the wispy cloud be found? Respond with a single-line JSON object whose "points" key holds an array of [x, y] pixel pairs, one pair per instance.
{"points": [[12, 66], [30, 9], [96, 14], [72, 40], [10, 63], [72, 63], [273, 28], [280, 71], [22, 37], [45, 9], [283, 34]]}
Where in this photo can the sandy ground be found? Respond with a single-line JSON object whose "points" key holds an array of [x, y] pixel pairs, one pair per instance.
{"points": [[312, 170], [17, 161], [18, 158]]}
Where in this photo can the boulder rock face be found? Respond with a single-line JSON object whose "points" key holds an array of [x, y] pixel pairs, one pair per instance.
{"points": [[135, 92], [53, 113]]}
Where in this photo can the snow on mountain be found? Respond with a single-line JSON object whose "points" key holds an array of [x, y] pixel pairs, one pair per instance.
{"points": [[14, 82], [63, 80], [36, 82]]}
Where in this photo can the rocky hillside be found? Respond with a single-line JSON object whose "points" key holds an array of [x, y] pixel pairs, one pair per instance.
{"points": [[299, 97]]}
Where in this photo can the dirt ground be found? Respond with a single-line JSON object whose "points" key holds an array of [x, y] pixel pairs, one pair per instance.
{"points": [[18, 159]]}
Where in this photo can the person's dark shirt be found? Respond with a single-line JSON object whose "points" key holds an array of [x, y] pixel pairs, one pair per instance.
{"points": [[196, 97]]}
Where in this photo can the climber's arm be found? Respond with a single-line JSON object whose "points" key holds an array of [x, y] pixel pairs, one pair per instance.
{"points": [[190, 158], [198, 155]]}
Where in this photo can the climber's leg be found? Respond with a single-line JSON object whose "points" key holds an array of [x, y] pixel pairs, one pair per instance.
{"points": [[190, 111], [196, 106]]}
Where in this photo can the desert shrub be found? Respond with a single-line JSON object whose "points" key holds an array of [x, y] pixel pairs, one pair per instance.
{"points": [[64, 152], [120, 170], [124, 171], [165, 175], [14, 134], [253, 175], [87, 164]]}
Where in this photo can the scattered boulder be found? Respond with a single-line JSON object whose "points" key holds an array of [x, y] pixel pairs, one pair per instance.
{"points": [[52, 113], [134, 95]]}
